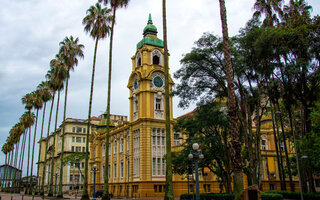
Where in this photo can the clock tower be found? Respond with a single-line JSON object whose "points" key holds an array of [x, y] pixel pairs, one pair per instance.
{"points": [[146, 82]]}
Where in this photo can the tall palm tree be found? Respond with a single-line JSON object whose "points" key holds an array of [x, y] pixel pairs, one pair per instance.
{"points": [[232, 107], [70, 50], [45, 95], [169, 187], [297, 12], [115, 4], [59, 74], [53, 86], [28, 101], [37, 104], [97, 23], [270, 8]]}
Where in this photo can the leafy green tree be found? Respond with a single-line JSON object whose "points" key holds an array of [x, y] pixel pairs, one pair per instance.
{"points": [[208, 126], [97, 24]]}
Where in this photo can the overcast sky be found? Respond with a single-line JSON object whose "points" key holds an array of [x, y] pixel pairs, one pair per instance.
{"points": [[31, 31]]}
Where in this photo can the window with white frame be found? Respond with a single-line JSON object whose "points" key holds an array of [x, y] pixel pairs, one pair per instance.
{"points": [[128, 142], [264, 142], [158, 146], [121, 145], [114, 171], [156, 57], [115, 146], [282, 146], [135, 107], [121, 169], [136, 153], [138, 59], [158, 106]]}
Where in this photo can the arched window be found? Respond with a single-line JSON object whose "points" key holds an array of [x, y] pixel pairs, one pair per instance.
{"points": [[156, 60], [156, 57], [138, 59]]}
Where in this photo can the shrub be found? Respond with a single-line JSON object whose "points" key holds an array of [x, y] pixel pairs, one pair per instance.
{"points": [[296, 195]]}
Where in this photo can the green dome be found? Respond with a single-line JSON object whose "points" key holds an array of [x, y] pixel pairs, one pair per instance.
{"points": [[150, 28], [150, 35]]}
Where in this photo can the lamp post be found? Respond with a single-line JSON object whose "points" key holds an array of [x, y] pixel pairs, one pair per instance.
{"points": [[128, 173], [94, 170], [196, 155], [55, 186]]}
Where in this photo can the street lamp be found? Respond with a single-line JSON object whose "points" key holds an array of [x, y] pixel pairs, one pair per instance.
{"points": [[196, 155], [94, 170], [55, 187]]}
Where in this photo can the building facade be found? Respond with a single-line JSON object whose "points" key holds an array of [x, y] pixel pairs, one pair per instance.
{"points": [[74, 141]]}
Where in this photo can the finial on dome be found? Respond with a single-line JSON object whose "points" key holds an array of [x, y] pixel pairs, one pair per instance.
{"points": [[150, 19]]}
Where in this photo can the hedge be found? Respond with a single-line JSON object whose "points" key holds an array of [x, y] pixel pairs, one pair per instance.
{"points": [[214, 196], [296, 195]]}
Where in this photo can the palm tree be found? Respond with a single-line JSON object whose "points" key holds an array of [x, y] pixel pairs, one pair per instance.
{"points": [[37, 104], [45, 95], [297, 12], [69, 52], [270, 8], [115, 4], [169, 187], [53, 86], [97, 23], [232, 107], [27, 120], [28, 101], [59, 74]]}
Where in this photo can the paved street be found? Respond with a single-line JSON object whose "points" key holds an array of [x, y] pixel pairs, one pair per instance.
{"points": [[7, 196]]}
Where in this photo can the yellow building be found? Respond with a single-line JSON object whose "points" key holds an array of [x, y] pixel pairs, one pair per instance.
{"points": [[75, 141], [137, 148]]}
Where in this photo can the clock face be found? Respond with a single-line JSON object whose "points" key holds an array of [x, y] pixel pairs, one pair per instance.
{"points": [[158, 82], [136, 84]]}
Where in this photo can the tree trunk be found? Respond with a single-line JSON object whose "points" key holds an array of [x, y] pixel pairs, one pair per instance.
{"points": [[169, 186], [34, 141], [105, 195], [40, 143], [46, 149], [90, 105], [50, 192], [60, 194], [232, 108]]}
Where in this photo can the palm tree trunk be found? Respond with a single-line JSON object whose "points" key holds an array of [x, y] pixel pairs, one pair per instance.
{"points": [[40, 143], [46, 149], [50, 193], [232, 108], [60, 195], [22, 153], [34, 141], [105, 195], [90, 105], [28, 163], [7, 173], [169, 186], [15, 165], [11, 168]]}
